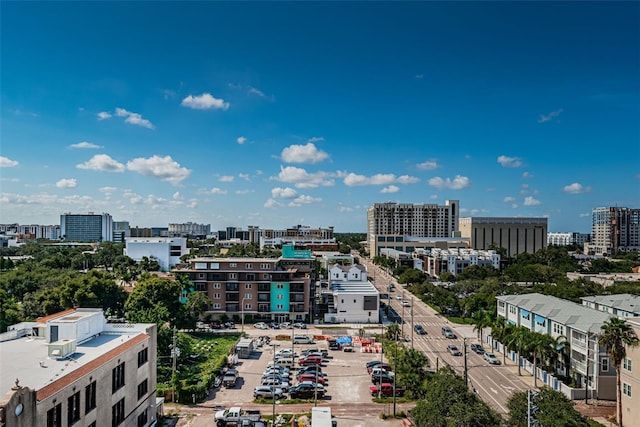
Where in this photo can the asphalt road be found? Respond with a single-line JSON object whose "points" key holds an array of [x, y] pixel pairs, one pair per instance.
{"points": [[494, 384]]}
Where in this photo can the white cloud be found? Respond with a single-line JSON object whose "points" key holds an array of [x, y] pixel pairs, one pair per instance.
{"points": [[103, 115], [271, 203], [433, 196], [283, 193], [226, 178], [9, 180], [6, 162], [530, 201], [584, 215], [177, 196], [576, 188], [244, 176], [204, 102], [353, 180], [254, 91], [458, 183], [193, 203], [303, 179], [164, 168], [303, 154], [84, 144], [509, 199], [241, 140], [345, 209], [102, 162], [526, 175], [304, 200], [548, 117], [525, 189], [107, 191], [134, 118], [243, 192], [67, 183], [216, 190], [390, 189], [428, 165], [509, 162]]}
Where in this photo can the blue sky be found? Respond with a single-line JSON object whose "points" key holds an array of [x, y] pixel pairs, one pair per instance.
{"points": [[277, 114]]}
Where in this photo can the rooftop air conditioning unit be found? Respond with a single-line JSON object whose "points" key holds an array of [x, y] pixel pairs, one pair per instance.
{"points": [[62, 348]]}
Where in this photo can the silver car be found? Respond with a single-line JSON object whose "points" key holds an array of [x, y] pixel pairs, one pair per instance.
{"points": [[268, 392]]}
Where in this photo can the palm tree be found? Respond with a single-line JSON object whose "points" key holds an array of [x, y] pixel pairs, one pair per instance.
{"points": [[511, 339], [559, 347], [616, 335], [392, 332], [481, 320], [540, 344], [498, 332], [523, 344]]}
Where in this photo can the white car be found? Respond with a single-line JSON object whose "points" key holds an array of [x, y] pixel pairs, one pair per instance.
{"points": [[406, 303], [398, 297], [286, 352], [491, 358], [261, 325]]}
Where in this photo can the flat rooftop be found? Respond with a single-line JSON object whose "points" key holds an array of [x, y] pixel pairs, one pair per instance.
{"points": [[27, 358]]}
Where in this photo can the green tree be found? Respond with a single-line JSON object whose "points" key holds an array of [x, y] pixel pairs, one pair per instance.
{"points": [[616, 336], [481, 320], [392, 332], [554, 409], [448, 403], [155, 300], [411, 368], [411, 275], [10, 311]]}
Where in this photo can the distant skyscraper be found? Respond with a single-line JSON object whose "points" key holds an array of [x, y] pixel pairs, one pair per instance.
{"points": [[614, 229], [88, 227], [189, 229]]}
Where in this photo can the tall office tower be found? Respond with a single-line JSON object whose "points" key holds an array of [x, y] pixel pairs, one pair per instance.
{"points": [[121, 231], [88, 227], [189, 229], [614, 229], [517, 235], [385, 220]]}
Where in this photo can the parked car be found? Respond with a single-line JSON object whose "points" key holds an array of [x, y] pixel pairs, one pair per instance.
{"points": [[372, 363], [300, 325], [268, 392], [274, 325], [406, 303], [448, 333], [381, 378], [386, 390], [305, 391], [491, 358], [277, 382], [310, 370], [333, 344], [477, 348], [399, 297], [281, 374], [454, 350], [348, 348], [378, 370], [420, 330], [382, 365], [302, 339], [320, 379], [314, 384], [286, 352], [261, 325], [230, 325], [310, 360], [286, 325]]}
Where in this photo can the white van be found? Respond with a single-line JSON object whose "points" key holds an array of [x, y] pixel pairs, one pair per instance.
{"points": [[285, 362], [302, 339]]}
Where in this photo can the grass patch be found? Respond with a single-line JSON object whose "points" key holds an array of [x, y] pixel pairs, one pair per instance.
{"points": [[593, 423]]}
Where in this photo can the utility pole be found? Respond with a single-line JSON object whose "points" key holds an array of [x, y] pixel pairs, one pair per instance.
{"points": [[394, 378], [403, 313], [380, 382], [412, 302], [466, 376], [586, 380], [174, 354]]}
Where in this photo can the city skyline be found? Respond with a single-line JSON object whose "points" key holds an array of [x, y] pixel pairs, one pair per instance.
{"points": [[276, 114]]}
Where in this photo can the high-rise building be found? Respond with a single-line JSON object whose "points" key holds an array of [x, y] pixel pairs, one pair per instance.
{"points": [[88, 227], [396, 220], [614, 229], [567, 239], [121, 231], [189, 229], [516, 235]]}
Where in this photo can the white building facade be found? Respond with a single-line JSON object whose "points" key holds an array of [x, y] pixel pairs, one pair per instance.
{"points": [[88, 227], [567, 239], [454, 261], [352, 299], [166, 250]]}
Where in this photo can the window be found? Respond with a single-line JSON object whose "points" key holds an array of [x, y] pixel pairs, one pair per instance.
{"points": [[248, 296], [247, 306], [217, 286], [233, 276], [249, 266], [604, 364], [626, 364], [279, 306], [117, 413], [54, 416], [279, 296], [626, 389], [201, 286], [217, 306], [143, 418], [216, 296], [512, 309], [247, 285], [143, 388], [233, 264], [143, 356], [73, 409], [117, 378], [264, 266], [200, 275], [265, 276], [279, 286], [90, 397]]}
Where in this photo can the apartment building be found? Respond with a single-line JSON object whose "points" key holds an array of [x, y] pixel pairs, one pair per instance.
{"points": [[614, 229], [350, 297], [392, 222], [87, 227], [75, 369], [268, 289], [166, 250], [31, 231], [630, 379], [620, 305], [189, 229], [579, 324], [516, 235], [121, 231], [454, 261], [567, 239]]}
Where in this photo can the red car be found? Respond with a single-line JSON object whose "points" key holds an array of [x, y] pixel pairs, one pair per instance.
{"points": [[310, 360], [311, 377]]}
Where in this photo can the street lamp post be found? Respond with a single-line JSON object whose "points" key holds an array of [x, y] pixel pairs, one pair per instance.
{"points": [[412, 302], [403, 313], [394, 378], [273, 419], [466, 376]]}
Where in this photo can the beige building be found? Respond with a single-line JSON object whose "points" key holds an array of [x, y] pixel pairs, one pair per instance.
{"points": [[614, 229], [630, 380], [516, 235], [75, 369]]}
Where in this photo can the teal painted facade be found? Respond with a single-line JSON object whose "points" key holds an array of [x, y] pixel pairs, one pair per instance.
{"points": [[288, 251], [280, 297]]}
